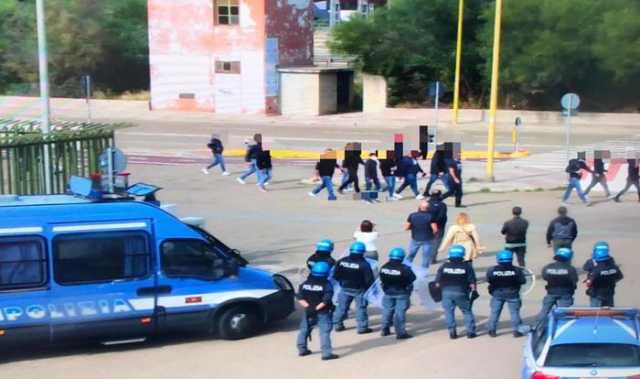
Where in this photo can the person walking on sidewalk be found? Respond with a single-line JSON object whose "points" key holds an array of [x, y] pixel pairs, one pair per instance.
{"points": [[216, 147], [410, 169], [454, 167], [463, 233], [599, 176], [387, 168], [253, 150], [437, 171], [371, 172], [515, 235], [633, 179], [573, 169], [439, 210], [264, 169], [351, 164], [423, 228], [562, 230], [325, 169]]}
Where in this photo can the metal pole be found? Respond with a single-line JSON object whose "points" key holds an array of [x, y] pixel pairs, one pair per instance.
{"points": [[567, 126], [491, 137], [332, 13], [88, 94], [44, 86], [456, 86], [437, 102]]}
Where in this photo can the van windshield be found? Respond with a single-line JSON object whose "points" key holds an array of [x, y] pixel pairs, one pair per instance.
{"points": [[593, 355], [224, 249]]}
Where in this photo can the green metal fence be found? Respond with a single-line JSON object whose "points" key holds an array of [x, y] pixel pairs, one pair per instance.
{"points": [[72, 148]]}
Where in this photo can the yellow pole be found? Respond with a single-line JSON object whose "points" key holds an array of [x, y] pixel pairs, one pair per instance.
{"points": [[491, 143], [456, 88]]}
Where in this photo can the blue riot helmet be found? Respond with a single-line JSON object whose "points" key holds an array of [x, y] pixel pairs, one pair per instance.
{"points": [[320, 269], [504, 256], [600, 245], [456, 252], [397, 254], [324, 246], [357, 248], [601, 253], [564, 254]]}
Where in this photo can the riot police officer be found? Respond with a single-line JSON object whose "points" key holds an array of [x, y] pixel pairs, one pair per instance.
{"points": [[591, 263], [457, 279], [355, 276], [397, 283], [315, 296], [323, 252], [601, 281], [561, 278], [505, 281]]}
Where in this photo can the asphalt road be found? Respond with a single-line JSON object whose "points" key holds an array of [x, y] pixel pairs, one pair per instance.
{"points": [[277, 230]]}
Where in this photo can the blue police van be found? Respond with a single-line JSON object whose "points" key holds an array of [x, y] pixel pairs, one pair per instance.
{"points": [[122, 270]]}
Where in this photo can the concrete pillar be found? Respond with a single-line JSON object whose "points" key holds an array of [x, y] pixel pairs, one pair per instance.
{"points": [[374, 97]]}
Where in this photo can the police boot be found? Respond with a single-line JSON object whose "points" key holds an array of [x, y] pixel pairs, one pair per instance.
{"points": [[340, 328], [330, 357], [385, 332], [404, 336], [493, 334], [453, 334], [304, 353], [517, 334]]}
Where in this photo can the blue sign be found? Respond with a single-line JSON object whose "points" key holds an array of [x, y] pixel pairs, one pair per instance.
{"points": [[570, 101], [436, 88]]}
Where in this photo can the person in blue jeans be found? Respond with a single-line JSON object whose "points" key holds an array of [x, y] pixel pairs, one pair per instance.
{"points": [[457, 278], [505, 281], [315, 296], [562, 279], [573, 169], [355, 276], [325, 169], [423, 227], [387, 168], [264, 169], [251, 157], [215, 144], [397, 283], [410, 168]]}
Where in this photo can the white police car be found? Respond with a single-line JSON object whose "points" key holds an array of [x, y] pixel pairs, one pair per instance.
{"points": [[576, 343], [122, 270]]}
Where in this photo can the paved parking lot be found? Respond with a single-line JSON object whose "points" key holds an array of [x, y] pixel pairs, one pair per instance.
{"points": [[277, 230]]}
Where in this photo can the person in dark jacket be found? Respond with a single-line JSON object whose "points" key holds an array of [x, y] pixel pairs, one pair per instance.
{"points": [[591, 263], [387, 168], [325, 169], [562, 230], [574, 169], [371, 172], [355, 276], [410, 169], [633, 179], [438, 209], [515, 235], [216, 147], [263, 163], [323, 252], [315, 296], [352, 163], [437, 171], [505, 281], [397, 283], [251, 156], [598, 176], [602, 279], [562, 279], [457, 279], [454, 176]]}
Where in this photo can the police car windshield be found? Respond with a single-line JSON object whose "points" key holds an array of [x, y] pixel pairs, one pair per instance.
{"points": [[599, 355], [221, 247]]}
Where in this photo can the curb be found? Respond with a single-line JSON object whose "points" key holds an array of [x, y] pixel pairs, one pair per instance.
{"points": [[314, 155]]}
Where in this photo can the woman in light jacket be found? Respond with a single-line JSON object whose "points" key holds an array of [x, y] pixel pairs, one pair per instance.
{"points": [[464, 233]]}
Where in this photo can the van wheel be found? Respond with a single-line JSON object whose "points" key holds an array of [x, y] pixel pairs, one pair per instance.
{"points": [[237, 322]]}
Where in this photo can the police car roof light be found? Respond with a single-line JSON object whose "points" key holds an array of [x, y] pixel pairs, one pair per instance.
{"points": [[142, 189], [597, 312], [80, 186]]}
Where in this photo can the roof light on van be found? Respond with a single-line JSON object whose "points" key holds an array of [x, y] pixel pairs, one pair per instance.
{"points": [[600, 312]]}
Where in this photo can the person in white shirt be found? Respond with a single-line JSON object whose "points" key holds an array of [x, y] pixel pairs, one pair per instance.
{"points": [[368, 237]]}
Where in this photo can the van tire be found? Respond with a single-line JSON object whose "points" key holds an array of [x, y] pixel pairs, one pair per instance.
{"points": [[238, 322]]}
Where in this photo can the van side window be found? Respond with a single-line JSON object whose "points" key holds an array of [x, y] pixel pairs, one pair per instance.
{"points": [[100, 257], [191, 258], [23, 263]]}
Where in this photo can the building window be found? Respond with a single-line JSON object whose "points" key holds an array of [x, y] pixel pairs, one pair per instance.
{"points": [[227, 12], [226, 67], [23, 263], [100, 257]]}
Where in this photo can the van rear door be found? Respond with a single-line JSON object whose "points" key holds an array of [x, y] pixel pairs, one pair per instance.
{"points": [[104, 285]]}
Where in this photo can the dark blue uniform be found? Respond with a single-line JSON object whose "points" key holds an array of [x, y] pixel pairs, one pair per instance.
{"points": [[562, 279], [602, 283], [505, 281], [320, 257], [456, 279], [397, 283], [355, 276], [316, 290]]}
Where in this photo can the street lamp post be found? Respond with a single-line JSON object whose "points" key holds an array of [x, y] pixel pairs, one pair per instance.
{"points": [[44, 87], [491, 143], [456, 88]]}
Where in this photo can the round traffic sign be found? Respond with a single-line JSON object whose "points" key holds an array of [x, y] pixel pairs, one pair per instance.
{"points": [[570, 101]]}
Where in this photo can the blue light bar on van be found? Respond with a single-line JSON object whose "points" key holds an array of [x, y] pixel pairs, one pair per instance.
{"points": [[142, 189]]}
